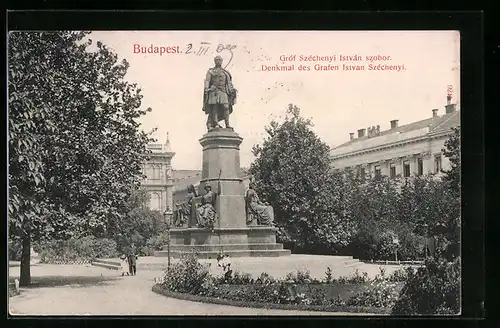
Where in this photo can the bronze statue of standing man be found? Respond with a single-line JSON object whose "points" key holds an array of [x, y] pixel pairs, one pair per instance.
{"points": [[219, 96]]}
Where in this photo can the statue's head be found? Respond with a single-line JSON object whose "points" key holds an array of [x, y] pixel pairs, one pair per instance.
{"points": [[190, 188], [218, 61], [208, 187], [251, 185]]}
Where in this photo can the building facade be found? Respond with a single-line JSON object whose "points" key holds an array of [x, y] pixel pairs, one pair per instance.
{"points": [[158, 176], [401, 151]]}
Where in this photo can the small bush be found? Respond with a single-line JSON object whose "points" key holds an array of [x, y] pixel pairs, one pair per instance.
{"points": [[15, 250], [381, 293], [154, 243], [328, 275], [299, 277], [401, 275], [265, 278], [433, 289], [187, 276], [74, 249], [239, 278], [355, 278]]}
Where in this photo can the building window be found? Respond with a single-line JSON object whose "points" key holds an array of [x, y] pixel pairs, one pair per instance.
{"points": [[406, 169], [378, 172], [156, 172], [420, 166], [154, 202], [437, 164], [392, 170]]}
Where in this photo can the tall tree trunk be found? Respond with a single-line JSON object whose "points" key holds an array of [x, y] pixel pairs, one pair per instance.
{"points": [[25, 279]]}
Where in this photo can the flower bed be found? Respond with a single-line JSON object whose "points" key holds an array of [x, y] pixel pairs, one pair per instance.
{"points": [[357, 293], [266, 305]]}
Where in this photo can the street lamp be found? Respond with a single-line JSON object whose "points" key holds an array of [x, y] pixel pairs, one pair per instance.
{"points": [[395, 241], [168, 221]]}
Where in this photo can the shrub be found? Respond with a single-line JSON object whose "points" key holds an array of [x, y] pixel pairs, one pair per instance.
{"points": [[328, 275], [265, 278], [379, 293], [15, 250], [299, 277], [386, 248], [85, 248], [433, 289], [355, 278], [358, 278], [104, 248], [239, 278], [187, 276], [402, 275], [154, 243]]}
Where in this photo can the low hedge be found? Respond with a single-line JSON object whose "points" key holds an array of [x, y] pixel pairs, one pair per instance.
{"points": [[67, 262], [297, 307], [78, 249]]}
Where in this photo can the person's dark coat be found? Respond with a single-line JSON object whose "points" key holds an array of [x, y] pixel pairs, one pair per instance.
{"points": [[132, 259]]}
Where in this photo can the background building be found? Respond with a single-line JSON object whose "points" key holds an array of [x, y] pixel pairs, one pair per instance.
{"points": [[401, 150], [158, 172]]}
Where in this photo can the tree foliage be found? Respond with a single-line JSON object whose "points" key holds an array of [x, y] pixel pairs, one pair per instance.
{"points": [[292, 172], [452, 152], [75, 145], [320, 210]]}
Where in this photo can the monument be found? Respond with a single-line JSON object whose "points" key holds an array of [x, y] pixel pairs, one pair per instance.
{"points": [[223, 217]]}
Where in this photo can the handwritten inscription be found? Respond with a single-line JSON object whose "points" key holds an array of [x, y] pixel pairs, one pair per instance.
{"points": [[204, 48]]}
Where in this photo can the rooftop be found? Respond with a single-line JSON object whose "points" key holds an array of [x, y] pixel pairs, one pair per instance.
{"points": [[427, 126]]}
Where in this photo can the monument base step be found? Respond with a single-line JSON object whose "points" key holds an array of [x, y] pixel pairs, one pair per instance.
{"points": [[212, 254], [224, 247]]}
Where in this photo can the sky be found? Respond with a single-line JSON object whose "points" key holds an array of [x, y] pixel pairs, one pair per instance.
{"points": [[337, 101]]}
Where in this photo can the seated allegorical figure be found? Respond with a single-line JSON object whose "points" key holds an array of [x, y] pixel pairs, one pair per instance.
{"points": [[206, 214], [256, 210], [183, 210]]}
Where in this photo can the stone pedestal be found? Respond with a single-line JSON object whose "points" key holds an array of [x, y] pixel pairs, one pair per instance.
{"points": [[221, 157], [231, 235]]}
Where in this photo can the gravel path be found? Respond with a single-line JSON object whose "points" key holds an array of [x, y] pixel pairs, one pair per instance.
{"points": [[86, 290]]}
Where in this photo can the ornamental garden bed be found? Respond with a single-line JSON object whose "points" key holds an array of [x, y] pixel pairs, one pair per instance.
{"points": [[190, 280], [232, 295]]}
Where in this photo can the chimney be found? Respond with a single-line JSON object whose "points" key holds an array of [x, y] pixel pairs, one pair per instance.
{"points": [[351, 136], [394, 124], [450, 108], [361, 133], [435, 112]]}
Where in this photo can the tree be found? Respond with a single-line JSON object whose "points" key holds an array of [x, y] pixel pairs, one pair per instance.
{"points": [[139, 224], [449, 228], [452, 152], [435, 288], [75, 146], [293, 173]]}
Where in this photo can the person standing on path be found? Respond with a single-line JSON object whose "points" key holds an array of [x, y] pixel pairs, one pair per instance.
{"points": [[132, 263], [125, 266]]}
